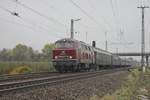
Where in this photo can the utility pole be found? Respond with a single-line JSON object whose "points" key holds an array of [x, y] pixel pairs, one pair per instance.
{"points": [[143, 38], [147, 61], [72, 27]]}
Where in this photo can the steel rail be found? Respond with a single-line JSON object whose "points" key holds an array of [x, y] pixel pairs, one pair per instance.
{"points": [[17, 77], [28, 84]]}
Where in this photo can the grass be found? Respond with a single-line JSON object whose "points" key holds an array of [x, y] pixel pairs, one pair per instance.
{"points": [[128, 89], [144, 86], [9, 67]]}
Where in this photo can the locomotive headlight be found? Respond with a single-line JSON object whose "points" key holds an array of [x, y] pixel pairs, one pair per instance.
{"points": [[70, 57], [56, 57]]}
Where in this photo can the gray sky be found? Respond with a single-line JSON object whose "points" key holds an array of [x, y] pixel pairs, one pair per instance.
{"points": [[52, 22]]}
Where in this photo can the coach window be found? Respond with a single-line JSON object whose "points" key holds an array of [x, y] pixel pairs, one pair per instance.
{"points": [[89, 48], [85, 47], [80, 46]]}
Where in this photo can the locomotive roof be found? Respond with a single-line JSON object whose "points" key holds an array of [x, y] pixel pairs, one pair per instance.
{"points": [[96, 49], [67, 39]]}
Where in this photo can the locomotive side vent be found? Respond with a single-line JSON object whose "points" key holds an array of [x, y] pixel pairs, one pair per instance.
{"points": [[93, 44]]}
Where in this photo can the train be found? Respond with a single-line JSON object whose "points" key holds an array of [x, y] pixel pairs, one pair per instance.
{"points": [[74, 56]]}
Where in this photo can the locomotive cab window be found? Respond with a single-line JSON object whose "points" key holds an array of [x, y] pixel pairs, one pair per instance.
{"points": [[65, 44]]}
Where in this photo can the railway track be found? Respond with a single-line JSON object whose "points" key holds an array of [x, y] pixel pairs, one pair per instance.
{"points": [[51, 80], [18, 77]]}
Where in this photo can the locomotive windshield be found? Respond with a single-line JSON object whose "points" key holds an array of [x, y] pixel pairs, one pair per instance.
{"points": [[64, 44]]}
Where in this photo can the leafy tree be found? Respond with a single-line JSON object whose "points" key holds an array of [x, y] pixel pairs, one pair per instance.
{"points": [[22, 53], [47, 51], [5, 55], [36, 56]]}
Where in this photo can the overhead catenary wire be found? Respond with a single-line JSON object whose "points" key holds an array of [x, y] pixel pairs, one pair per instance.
{"points": [[114, 14], [88, 15], [104, 20], [119, 27], [122, 26], [16, 23], [47, 18], [26, 21], [121, 33], [115, 10], [5, 9], [61, 13], [13, 13], [40, 14], [41, 27], [112, 6], [58, 11]]}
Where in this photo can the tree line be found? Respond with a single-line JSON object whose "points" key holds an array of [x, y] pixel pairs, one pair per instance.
{"points": [[25, 53]]}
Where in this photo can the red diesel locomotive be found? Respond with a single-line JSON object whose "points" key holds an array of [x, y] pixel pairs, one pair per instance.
{"points": [[72, 55]]}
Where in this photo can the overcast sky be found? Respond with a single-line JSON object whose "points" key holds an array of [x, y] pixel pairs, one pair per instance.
{"points": [[45, 21]]}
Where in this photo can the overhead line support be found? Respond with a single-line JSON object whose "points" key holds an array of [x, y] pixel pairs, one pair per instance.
{"points": [[143, 38]]}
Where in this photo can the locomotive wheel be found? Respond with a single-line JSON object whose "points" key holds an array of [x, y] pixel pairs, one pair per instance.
{"points": [[60, 69], [78, 68]]}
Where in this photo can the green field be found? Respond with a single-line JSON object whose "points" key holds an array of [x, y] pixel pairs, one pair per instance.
{"points": [[8, 67]]}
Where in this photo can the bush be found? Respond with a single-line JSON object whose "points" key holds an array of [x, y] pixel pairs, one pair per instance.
{"points": [[21, 70], [7, 67]]}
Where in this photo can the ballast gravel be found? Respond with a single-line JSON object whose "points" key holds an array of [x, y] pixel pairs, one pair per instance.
{"points": [[74, 90]]}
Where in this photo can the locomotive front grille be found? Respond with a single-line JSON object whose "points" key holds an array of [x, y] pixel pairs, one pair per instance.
{"points": [[63, 57], [65, 62]]}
